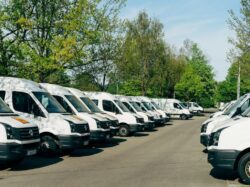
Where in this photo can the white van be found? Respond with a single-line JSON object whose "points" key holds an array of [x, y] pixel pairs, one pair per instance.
{"points": [[194, 108], [229, 146], [236, 109], [88, 103], [58, 129], [175, 110], [18, 137], [108, 103], [223, 109], [134, 108], [99, 126], [157, 118]]}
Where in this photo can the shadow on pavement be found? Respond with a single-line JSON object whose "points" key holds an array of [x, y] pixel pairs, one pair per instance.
{"points": [[109, 143], [88, 151], [223, 174], [140, 134], [35, 162]]}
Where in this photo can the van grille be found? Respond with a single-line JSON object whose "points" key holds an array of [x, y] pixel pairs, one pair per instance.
{"points": [[82, 128], [104, 124], [26, 133]]}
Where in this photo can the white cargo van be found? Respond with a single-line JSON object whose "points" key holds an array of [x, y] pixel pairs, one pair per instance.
{"points": [[129, 124], [99, 126], [237, 108], [58, 129], [134, 108], [156, 116], [194, 108], [175, 110], [88, 103], [18, 137], [229, 146]]}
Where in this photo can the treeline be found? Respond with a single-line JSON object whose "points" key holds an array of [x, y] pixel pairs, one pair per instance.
{"points": [[85, 44]]}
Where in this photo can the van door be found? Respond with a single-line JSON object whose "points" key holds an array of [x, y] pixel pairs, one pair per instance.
{"points": [[23, 103]]}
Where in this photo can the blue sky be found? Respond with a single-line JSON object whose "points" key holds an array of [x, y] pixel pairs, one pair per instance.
{"points": [[202, 21]]}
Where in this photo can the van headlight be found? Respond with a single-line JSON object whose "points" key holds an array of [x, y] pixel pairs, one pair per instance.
{"points": [[72, 126], [9, 131], [204, 127], [215, 137]]}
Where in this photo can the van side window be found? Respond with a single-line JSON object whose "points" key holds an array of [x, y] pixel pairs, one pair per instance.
{"points": [[2, 95], [63, 103], [109, 106], [176, 106], [23, 102], [95, 101], [129, 107]]}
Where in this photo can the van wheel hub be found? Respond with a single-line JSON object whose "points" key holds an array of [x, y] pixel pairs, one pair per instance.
{"points": [[247, 169]]}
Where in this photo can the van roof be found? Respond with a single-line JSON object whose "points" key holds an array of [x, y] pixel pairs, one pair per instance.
{"points": [[54, 89], [12, 83], [77, 92], [100, 95]]}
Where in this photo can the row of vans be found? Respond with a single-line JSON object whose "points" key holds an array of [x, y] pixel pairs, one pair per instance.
{"points": [[226, 137], [50, 118]]}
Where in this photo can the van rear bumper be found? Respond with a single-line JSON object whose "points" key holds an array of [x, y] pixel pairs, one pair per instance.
{"points": [[15, 151], [73, 141]]}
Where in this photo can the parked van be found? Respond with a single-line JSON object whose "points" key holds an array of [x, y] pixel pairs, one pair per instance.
{"points": [[18, 137], [148, 104], [92, 107], [59, 130], [108, 103], [134, 108], [157, 118], [229, 146], [175, 110], [222, 110], [237, 108], [99, 126], [194, 108]]}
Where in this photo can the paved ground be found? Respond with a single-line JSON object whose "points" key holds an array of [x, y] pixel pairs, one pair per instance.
{"points": [[170, 156]]}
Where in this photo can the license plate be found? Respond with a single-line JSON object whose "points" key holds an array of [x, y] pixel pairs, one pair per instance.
{"points": [[31, 152], [86, 143]]}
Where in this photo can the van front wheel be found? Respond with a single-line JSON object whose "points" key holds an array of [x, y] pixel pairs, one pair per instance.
{"points": [[124, 131], [184, 117], [49, 146], [244, 168]]}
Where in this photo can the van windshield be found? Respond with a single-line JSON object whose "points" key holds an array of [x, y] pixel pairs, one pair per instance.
{"points": [[122, 106], [136, 106], [233, 107], [246, 113], [4, 108], [183, 105], [49, 102], [77, 104], [90, 104], [156, 105], [147, 105]]}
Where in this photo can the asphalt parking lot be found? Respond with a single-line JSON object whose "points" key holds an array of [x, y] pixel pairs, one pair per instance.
{"points": [[169, 156]]}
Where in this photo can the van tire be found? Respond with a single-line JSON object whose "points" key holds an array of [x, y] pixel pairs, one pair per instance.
{"points": [[49, 146], [124, 131], [244, 168], [183, 117]]}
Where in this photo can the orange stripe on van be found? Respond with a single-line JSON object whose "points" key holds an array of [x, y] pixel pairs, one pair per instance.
{"points": [[21, 120]]}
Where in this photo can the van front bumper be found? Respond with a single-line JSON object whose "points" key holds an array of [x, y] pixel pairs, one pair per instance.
{"points": [[222, 158], [73, 141], [114, 131], [149, 125], [204, 139], [135, 128], [99, 135], [15, 151]]}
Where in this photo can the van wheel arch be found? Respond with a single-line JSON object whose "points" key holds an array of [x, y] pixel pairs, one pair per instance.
{"points": [[242, 153], [50, 147]]}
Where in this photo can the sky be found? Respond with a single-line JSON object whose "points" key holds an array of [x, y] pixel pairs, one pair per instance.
{"points": [[202, 21]]}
